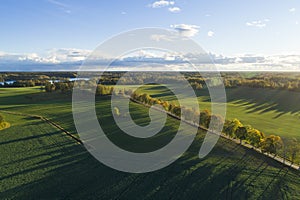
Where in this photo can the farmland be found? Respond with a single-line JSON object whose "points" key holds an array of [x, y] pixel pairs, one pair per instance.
{"points": [[41, 162]]}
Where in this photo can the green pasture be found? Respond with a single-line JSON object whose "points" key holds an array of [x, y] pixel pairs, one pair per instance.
{"points": [[271, 111]]}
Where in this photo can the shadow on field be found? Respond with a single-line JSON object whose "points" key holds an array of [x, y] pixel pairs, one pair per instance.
{"points": [[73, 174], [30, 138], [261, 100], [265, 100]]}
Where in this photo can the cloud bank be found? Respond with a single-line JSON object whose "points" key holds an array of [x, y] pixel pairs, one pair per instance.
{"points": [[71, 60]]}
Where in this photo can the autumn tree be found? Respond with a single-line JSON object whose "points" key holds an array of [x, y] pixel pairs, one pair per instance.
{"points": [[255, 137], [205, 118], [241, 133], [216, 122], [293, 148], [271, 144], [49, 87], [117, 111], [231, 126]]}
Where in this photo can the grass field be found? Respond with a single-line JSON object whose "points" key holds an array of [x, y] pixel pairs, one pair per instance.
{"points": [[271, 111], [40, 162]]}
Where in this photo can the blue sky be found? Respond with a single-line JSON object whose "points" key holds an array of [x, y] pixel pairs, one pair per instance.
{"points": [[38, 25], [228, 27]]}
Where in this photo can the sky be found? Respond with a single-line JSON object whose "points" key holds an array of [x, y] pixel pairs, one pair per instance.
{"points": [[39, 28]]}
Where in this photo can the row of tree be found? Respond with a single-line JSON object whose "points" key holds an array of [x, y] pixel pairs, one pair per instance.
{"points": [[59, 86], [232, 128]]}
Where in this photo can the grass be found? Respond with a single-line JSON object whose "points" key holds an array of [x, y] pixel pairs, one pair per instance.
{"points": [[271, 111], [40, 162]]}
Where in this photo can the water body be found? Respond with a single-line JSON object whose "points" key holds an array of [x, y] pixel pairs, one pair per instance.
{"points": [[7, 82], [69, 79]]}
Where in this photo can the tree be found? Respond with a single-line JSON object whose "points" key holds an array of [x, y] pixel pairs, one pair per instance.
{"points": [[49, 87], [271, 144], [129, 92], [166, 105], [121, 92], [196, 117], [116, 111], [176, 111], [231, 126], [255, 137], [241, 133], [216, 122], [293, 148], [205, 118]]}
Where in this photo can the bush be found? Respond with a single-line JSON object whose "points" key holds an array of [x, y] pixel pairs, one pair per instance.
{"points": [[117, 111], [4, 125]]}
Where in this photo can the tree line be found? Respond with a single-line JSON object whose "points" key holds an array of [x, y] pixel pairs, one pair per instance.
{"points": [[285, 81], [232, 128], [59, 86]]}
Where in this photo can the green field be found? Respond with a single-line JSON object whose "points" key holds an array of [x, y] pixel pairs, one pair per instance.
{"points": [[271, 111], [40, 162]]}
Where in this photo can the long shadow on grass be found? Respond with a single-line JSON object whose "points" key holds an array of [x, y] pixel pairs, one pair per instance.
{"points": [[75, 175], [266, 100]]}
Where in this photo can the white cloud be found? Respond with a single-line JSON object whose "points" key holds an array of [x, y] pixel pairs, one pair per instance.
{"points": [[258, 24], [186, 30], [162, 3], [63, 7], [174, 9], [292, 10], [210, 33], [123, 13]]}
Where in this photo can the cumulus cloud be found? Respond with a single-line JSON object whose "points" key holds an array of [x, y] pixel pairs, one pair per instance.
{"points": [[174, 9], [292, 10], [165, 3], [258, 23], [210, 33], [186, 30], [162, 3]]}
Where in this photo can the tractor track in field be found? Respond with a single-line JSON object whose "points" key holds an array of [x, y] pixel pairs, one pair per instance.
{"points": [[48, 121]]}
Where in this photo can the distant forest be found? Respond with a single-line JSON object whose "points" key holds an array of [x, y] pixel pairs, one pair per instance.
{"points": [[273, 80]]}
